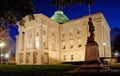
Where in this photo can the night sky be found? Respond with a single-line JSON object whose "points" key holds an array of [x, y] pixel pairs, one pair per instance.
{"points": [[109, 8]]}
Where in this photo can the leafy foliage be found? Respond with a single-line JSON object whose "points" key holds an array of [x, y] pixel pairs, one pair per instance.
{"points": [[13, 10], [116, 43], [64, 3]]}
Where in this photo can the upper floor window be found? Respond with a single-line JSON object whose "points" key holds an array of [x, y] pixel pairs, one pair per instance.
{"points": [[78, 31], [37, 41]]}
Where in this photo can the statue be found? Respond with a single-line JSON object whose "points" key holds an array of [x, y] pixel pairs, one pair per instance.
{"points": [[91, 38]]}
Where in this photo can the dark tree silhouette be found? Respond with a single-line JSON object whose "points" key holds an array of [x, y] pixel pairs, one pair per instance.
{"points": [[13, 10], [116, 43], [64, 3]]}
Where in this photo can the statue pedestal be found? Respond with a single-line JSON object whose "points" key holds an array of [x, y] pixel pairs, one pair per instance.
{"points": [[92, 61], [92, 53]]}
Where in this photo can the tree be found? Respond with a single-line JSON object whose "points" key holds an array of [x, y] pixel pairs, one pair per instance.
{"points": [[13, 10], [116, 43], [64, 3]]}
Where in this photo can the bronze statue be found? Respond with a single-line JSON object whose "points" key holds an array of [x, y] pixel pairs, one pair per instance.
{"points": [[91, 38]]}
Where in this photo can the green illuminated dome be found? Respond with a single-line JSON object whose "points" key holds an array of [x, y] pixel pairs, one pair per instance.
{"points": [[59, 17]]}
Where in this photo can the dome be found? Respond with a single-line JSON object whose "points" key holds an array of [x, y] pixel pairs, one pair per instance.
{"points": [[59, 17]]}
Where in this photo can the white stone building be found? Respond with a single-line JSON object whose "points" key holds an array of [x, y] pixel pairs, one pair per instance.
{"points": [[44, 41]]}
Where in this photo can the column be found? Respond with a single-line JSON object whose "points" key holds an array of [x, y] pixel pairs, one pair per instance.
{"points": [[40, 38], [17, 50], [25, 41], [20, 40], [47, 38], [33, 38]]}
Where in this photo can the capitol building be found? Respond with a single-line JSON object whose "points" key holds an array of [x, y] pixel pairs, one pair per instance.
{"points": [[59, 40]]}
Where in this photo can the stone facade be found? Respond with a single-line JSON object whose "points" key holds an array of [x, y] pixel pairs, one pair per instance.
{"points": [[44, 41]]}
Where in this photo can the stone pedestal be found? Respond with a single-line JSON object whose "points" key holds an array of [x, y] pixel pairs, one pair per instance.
{"points": [[92, 61], [92, 54]]}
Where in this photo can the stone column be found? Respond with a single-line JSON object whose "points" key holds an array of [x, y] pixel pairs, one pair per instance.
{"points": [[17, 50], [40, 38], [33, 38], [25, 41]]}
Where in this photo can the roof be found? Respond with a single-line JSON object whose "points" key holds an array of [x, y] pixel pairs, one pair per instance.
{"points": [[59, 17]]}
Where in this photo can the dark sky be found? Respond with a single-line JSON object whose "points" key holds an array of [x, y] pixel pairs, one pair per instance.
{"points": [[109, 8]]}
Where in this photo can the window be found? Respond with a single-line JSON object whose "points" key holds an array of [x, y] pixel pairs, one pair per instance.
{"points": [[23, 39], [64, 57], [44, 32], [79, 42], [37, 41], [71, 57], [52, 33], [79, 45], [63, 47], [78, 32], [63, 44], [63, 35], [71, 46], [29, 41]]}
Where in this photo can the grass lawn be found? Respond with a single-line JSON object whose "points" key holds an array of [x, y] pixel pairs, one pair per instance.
{"points": [[35, 70], [49, 70]]}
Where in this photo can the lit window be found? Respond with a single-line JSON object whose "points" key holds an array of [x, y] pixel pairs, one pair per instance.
{"points": [[71, 57], [37, 41], [64, 57]]}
